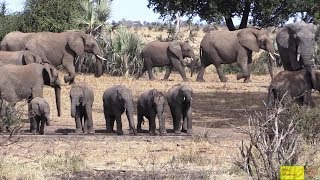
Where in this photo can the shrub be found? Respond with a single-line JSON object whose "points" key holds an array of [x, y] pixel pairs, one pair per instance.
{"points": [[260, 65], [233, 68]]}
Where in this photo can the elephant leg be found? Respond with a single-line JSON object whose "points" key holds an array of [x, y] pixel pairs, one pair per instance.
{"points": [[109, 123], [67, 62], [140, 120], [177, 64], [221, 75], [89, 120], [41, 130], [152, 125], [245, 62], [189, 121], [38, 122], [141, 72], [201, 73], [307, 99], [78, 121], [168, 72], [176, 117], [150, 73], [119, 124]]}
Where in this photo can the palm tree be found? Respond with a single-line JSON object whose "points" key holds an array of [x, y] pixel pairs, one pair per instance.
{"points": [[97, 12]]}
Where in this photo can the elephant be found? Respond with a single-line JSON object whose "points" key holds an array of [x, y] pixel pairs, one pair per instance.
{"points": [[15, 41], [18, 57], [151, 103], [226, 47], [179, 98], [170, 54], [26, 82], [295, 44], [40, 115], [82, 97], [116, 100], [62, 49], [6, 109], [293, 86]]}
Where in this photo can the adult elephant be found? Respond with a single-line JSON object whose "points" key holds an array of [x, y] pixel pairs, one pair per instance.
{"points": [[170, 54], [226, 47], [23, 57], [295, 44], [26, 82], [62, 49], [15, 41]]}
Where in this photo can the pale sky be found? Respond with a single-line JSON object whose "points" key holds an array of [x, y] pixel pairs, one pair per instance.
{"points": [[128, 9]]}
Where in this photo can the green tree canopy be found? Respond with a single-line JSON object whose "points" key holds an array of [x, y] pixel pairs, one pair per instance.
{"points": [[53, 15], [255, 12]]}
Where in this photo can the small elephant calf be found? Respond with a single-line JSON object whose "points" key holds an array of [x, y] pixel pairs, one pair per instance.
{"points": [[293, 86], [82, 97], [39, 115], [116, 100], [179, 98], [151, 104]]}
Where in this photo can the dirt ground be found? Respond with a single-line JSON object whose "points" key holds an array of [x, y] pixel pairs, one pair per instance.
{"points": [[207, 154]]}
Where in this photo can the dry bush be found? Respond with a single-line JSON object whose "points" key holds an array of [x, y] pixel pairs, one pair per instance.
{"points": [[274, 140]]}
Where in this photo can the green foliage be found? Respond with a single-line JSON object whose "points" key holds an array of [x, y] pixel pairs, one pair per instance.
{"points": [[123, 53], [233, 68], [263, 12], [53, 15]]}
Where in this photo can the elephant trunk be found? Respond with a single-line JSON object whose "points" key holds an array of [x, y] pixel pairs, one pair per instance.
{"points": [[270, 49], [306, 54], [99, 70], [47, 117], [73, 108], [57, 91], [129, 112], [160, 116]]}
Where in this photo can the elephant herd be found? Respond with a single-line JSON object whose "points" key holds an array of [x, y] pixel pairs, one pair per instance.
{"points": [[28, 61]]}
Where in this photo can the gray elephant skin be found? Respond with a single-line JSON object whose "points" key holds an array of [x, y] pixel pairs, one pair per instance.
{"points": [[293, 86], [179, 98], [15, 41], [151, 104], [295, 44], [40, 115], [60, 48], [18, 57], [5, 108], [82, 97], [170, 54], [26, 82], [226, 47], [116, 100]]}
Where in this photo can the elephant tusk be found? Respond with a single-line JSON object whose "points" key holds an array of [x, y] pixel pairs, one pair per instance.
{"points": [[101, 57], [298, 57], [276, 54], [273, 58]]}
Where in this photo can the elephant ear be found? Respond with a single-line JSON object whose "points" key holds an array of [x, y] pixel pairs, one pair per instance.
{"points": [[175, 48], [283, 36], [76, 43], [248, 39]]}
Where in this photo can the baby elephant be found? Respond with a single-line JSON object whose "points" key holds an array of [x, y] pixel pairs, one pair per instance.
{"points": [[81, 96], [179, 98], [39, 115], [151, 104], [116, 100], [293, 86]]}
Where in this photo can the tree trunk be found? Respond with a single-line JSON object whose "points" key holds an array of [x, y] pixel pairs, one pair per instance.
{"points": [[177, 24], [125, 63], [245, 15], [229, 23]]}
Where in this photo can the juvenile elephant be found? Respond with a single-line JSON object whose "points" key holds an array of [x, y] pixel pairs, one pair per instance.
{"points": [[293, 86], [40, 115], [82, 97], [116, 100], [226, 47], [5, 109], [60, 48], [26, 82], [179, 98], [170, 54], [18, 57], [295, 43], [15, 41], [151, 104]]}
